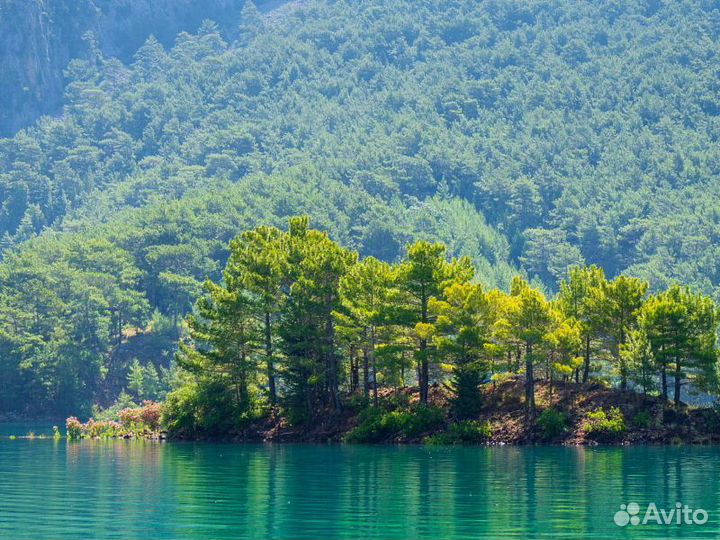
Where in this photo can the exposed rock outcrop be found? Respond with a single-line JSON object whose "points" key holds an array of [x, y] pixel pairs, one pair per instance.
{"points": [[39, 37]]}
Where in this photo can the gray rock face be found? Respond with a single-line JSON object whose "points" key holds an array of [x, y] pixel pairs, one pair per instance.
{"points": [[39, 37]]}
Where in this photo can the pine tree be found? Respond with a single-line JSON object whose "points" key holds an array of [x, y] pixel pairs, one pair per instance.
{"points": [[575, 300], [562, 341], [136, 379], [616, 305], [681, 327], [462, 329], [316, 266], [224, 335], [529, 319], [150, 60], [258, 264], [422, 276], [366, 297], [251, 23], [639, 357]]}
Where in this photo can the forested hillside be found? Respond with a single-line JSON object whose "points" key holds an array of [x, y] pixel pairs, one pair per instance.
{"points": [[528, 135]]}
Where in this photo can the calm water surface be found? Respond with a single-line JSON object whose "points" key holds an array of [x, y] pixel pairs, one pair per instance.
{"points": [[125, 489]]}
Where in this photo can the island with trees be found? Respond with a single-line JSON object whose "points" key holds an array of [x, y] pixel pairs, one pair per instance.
{"points": [[303, 340]]}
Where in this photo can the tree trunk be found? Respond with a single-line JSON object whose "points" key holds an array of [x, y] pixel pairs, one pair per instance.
{"points": [[621, 362], [354, 371], [332, 368], [663, 378], [424, 371], [366, 372], [623, 370], [269, 359], [374, 365], [529, 383], [375, 384], [119, 329], [586, 366], [677, 382]]}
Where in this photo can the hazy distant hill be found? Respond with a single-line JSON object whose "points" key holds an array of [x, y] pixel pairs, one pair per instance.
{"points": [[39, 37]]}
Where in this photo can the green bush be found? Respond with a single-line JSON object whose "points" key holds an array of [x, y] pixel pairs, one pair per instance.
{"points": [[204, 408], [602, 425], [642, 420], [467, 432], [424, 418], [376, 424], [552, 423]]}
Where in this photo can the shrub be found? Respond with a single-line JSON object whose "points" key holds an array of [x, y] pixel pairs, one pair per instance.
{"points": [[130, 417], [423, 419], [93, 428], [467, 432], [147, 416], [503, 377], [150, 414], [376, 424], [206, 408], [372, 426], [73, 426], [397, 401], [602, 425], [124, 401], [357, 402], [642, 420], [103, 429], [552, 423], [181, 410]]}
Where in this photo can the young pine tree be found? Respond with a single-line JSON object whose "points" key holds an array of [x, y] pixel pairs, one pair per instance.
{"points": [[680, 327], [462, 329], [224, 335]]}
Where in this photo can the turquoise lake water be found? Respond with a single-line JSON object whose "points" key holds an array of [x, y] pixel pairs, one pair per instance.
{"points": [[130, 489]]}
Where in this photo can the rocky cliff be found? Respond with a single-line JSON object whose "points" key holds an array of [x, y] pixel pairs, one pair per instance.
{"points": [[39, 37]]}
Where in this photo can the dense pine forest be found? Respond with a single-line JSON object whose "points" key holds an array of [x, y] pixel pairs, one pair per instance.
{"points": [[303, 323], [504, 189]]}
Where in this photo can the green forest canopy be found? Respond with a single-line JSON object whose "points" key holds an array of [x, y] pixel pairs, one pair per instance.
{"points": [[529, 136]]}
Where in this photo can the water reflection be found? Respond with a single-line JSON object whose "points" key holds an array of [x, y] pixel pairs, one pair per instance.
{"points": [[126, 489]]}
